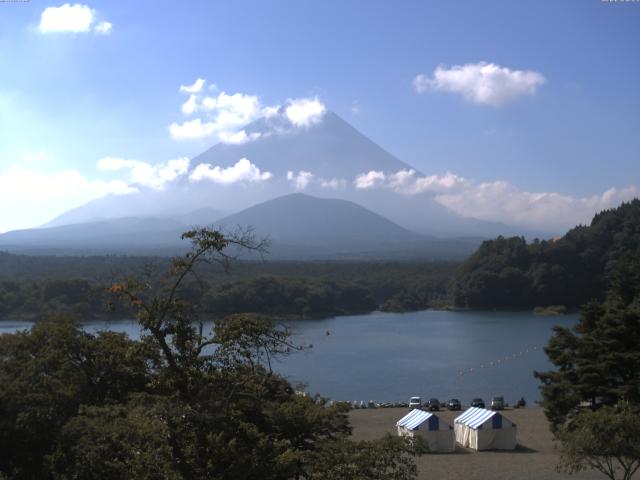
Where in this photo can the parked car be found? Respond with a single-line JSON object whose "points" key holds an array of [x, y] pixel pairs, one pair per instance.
{"points": [[415, 402], [454, 404], [433, 405], [477, 402], [497, 403]]}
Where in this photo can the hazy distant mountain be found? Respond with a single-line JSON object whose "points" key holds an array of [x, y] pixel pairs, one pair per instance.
{"points": [[331, 151], [300, 217], [299, 226], [108, 235], [201, 216]]}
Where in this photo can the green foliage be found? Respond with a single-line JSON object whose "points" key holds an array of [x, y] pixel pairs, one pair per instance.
{"points": [[389, 458], [598, 361], [572, 270], [607, 440], [299, 297], [182, 403], [47, 373], [33, 287], [114, 442]]}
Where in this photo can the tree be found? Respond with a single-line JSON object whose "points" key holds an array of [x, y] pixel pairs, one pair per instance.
{"points": [[236, 417], [598, 361], [47, 373], [571, 270], [598, 366], [389, 458], [607, 440], [181, 403], [114, 442]]}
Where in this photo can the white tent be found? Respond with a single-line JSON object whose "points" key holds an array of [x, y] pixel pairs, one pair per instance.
{"points": [[438, 434], [482, 429]]}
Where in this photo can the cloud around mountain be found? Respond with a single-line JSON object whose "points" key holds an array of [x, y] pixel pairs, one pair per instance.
{"points": [[242, 171], [225, 115], [143, 173], [498, 200], [296, 147]]}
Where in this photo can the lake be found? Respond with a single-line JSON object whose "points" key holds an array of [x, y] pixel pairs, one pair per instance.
{"points": [[391, 356]]}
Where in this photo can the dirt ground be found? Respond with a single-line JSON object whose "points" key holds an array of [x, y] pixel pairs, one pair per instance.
{"points": [[535, 457]]}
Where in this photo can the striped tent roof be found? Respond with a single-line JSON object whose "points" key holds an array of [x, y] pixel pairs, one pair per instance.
{"points": [[474, 417], [414, 419]]}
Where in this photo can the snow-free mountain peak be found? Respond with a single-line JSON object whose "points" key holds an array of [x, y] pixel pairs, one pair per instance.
{"points": [[329, 149], [322, 159]]}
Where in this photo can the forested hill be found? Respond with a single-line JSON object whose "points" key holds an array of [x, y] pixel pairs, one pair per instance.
{"points": [[509, 273], [32, 288]]}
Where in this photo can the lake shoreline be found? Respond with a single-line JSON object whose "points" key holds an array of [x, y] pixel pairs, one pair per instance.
{"points": [[539, 311], [388, 357]]}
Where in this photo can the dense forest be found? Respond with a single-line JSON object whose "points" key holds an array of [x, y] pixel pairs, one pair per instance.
{"points": [[592, 395], [502, 273], [32, 287], [181, 403], [570, 271]]}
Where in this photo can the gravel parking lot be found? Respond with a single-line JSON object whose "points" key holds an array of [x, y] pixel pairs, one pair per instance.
{"points": [[535, 457]]}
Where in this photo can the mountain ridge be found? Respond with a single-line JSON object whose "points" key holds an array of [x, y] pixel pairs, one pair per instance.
{"points": [[331, 152], [299, 226]]}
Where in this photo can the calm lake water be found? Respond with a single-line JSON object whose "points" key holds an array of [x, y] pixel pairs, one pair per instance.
{"points": [[390, 356]]}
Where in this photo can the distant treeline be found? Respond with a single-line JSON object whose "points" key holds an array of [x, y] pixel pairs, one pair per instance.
{"points": [[33, 287], [502, 273], [570, 271]]}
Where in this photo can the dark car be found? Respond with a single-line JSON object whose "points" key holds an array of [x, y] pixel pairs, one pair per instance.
{"points": [[454, 404], [477, 402], [497, 403], [433, 405]]}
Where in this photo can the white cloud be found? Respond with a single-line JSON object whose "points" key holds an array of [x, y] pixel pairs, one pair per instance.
{"points": [[301, 180], [242, 171], [270, 112], [145, 174], [238, 137], [223, 115], [103, 28], [482, 83], [499, 201], [69, 18], [502, 201], [192, 129], [371, 179], [37, 197], [195, 88], [305, 111], [333, 183], [408, 182], [190, 106]]}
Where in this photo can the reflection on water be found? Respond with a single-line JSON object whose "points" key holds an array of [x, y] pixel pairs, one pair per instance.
{"points": [[389, 356]]}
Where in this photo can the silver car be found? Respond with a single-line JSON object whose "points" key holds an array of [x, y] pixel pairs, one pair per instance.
{"points": [[415, 402]]}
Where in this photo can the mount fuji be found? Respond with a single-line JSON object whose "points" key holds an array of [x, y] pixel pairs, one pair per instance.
{"points": [[322, 159]]}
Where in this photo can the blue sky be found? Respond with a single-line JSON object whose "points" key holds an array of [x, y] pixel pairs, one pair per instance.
{"points": [[69, 99]]}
